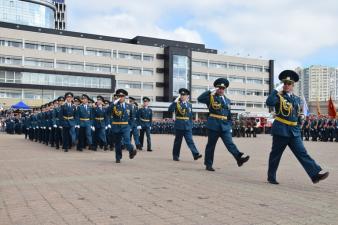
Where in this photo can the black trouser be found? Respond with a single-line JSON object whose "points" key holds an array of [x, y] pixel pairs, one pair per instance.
{"points": [[25, 131], [52, 136], [248, 132], [314, 134], [58, 137], [307, 133], [254, 131], [147, 131], [31, 134], [41, 132], [66, 138], [46, 137]]}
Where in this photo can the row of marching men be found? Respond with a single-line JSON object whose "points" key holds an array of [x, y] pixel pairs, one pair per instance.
{"points": [[77, 121], [320, 129], [122, 118]]}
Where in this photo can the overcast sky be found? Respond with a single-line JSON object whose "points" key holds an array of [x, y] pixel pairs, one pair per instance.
{"points": [[294, 33]]}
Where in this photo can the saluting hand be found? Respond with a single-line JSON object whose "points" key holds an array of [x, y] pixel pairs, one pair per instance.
{"points": [[178, 97]]}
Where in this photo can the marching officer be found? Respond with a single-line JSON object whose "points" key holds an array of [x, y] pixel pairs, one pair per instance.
{"points": [[306, 127], [121, 114], [219, 123], [56, 122], [183, 124], [134, 131], [100, 123], [84, 123], [314, 129], [49, 124], [108, 130], [145, 118], [67, 122], [286, 129]]}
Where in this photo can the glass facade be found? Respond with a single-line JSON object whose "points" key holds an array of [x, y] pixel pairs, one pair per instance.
{"points": [[27, 13], [181, 71], [54, 80]]}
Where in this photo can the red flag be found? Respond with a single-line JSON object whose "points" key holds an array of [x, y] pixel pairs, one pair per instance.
{"points": [[331, 109], [318, 108]]}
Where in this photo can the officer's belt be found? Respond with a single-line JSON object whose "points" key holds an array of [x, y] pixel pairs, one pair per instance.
{"points": [[84, 119], [144, 120], [182, 118], [68, 117], [120, 123], [218, 116], [287, 122], [99, 118]]}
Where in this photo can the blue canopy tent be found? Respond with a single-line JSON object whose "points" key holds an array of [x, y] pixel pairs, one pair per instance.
{"points": [[21, 105]]}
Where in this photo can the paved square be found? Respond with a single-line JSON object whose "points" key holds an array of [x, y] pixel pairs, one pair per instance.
{"points": [[41, 185]]}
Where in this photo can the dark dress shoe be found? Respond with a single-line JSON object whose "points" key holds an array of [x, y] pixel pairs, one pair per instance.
{"points": [[105, 148], [138, 147], [149, 150], [273, 181], [176, 159], [118, 161], [209, 168], [319, 177], [197, 156], [242, 160], [132, 154]]}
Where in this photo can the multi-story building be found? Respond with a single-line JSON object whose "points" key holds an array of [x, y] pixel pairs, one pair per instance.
{"points": [[60, 14], [39, 64], [39, 13], [317, 83]]}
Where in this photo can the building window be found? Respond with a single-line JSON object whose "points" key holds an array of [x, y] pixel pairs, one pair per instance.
{"points": [[98, 52], [129, 55], [67, 65], [266, 81], [181, 71], [103, 68], [237, 103], [236, 79], [148, 86], [40, 46], [147, 72], [200, 63], [148, 57], [236, 92], [129, 84], [218, 65], [254, 92], [10, 93], [254, 81], [199, 76], [36, 62], [54, 79], [237, 66], [11, 60], [215, 77], [70, 49], [10, 42], [197, 90], [254, 68], [249, 105], [129, 70]]}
